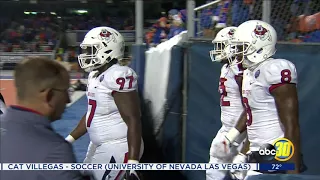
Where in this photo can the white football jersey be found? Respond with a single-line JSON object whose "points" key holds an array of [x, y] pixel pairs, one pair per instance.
{"points": [[103, 120], [3, 107], [263, 125], [230, 100]]}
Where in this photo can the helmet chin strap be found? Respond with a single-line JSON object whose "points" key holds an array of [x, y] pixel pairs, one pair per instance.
{"points": [[249, 65], [252, 66]]}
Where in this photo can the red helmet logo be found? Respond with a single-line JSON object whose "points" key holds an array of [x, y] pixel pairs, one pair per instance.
{"points": [[105, 34], [261, 33], [260, 30], [231, 33]]}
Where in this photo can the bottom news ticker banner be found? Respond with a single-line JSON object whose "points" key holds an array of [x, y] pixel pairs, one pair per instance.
{"points": [[146, 166]]}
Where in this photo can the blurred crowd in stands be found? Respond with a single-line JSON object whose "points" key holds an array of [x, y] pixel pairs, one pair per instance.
{"points": [[40, 32], [85, 22], [32, 34], [166, 27], [296, 20]]}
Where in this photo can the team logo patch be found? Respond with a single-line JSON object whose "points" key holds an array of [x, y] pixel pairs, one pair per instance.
{"points": [[261, 33], [101, 78], [231, 33], [105, 35], [256, 75]]}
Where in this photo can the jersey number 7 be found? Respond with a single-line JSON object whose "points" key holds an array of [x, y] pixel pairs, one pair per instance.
{"points": [[122, 81], [93, 104]]}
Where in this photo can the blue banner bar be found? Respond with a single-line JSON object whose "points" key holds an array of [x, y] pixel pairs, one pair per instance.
{"points": [[277, 166]]}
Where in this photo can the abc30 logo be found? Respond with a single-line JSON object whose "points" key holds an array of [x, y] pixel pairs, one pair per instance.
{"points": [[281, 150]]}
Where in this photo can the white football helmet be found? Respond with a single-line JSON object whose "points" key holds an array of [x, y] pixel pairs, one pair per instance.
{"points": [[254, 42], [220, 42], [100, 46]]}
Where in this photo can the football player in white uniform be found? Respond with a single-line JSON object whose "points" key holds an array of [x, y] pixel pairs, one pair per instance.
{"points": [[231, 104], [269, 91], [113, 116], [3, 107]]}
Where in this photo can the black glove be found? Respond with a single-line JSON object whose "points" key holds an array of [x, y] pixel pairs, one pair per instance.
{"points": [[87, 177]]}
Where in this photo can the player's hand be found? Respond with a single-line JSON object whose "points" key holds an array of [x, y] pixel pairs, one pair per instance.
{"points": [[238, 159], [221, 149], [132, 175]]}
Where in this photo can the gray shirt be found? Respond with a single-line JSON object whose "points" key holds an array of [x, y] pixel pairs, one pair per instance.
{"points": [[27, 137]]}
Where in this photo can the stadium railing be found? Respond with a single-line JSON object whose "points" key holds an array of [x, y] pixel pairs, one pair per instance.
{"points": [[294, 21], [75, 37], [9, 59], [200, 77]]}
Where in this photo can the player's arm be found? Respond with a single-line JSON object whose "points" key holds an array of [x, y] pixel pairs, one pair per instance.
{"points": [[286, 100], [81, 128], [79, 131], [123, 83], [129, 107], [241, 125], [282, 79]]}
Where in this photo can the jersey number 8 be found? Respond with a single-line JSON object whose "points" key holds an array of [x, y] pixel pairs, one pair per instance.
{"points": [[248, 110], [286, 76]]}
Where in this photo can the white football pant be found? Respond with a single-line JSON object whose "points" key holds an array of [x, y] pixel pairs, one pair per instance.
{"points": [[109, 152], [90, 152]]}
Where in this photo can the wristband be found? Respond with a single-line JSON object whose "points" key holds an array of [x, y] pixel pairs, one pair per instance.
{"points": [[131, 161], [70, 139], [232, 134]]}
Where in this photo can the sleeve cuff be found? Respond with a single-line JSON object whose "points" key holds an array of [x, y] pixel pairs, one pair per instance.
{"points": [[232, 134]]}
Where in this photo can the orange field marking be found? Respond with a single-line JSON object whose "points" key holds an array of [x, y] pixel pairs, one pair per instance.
{"points": [[9, 91]]}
